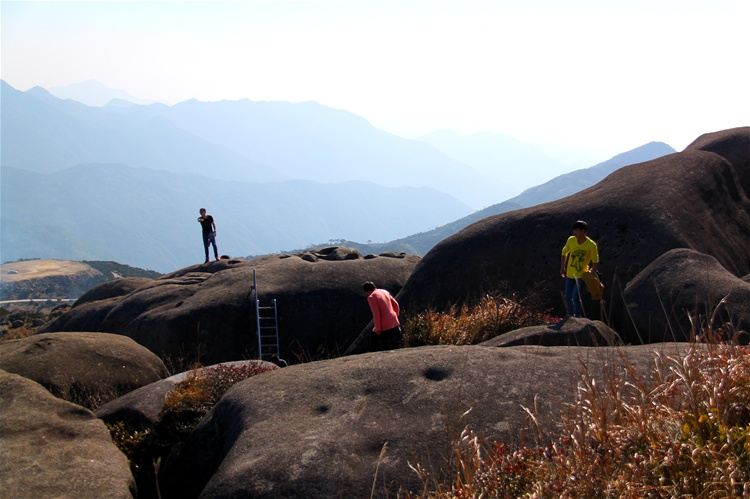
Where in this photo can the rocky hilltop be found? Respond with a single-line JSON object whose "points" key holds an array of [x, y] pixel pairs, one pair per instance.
{"points": [[207, 312], [696, 199]]}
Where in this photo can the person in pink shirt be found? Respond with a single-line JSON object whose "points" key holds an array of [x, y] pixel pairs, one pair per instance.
{"points": [[384, 308]]}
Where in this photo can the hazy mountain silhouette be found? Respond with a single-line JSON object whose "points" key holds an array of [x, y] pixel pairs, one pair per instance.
{"points": [[570, 183], [93, 93], [557, 188], [148, 218], [231, 140], [310, 141], [43, 133], [509, 162]]}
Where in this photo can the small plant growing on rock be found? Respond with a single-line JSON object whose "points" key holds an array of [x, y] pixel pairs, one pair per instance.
{"points": [[467, 325]]}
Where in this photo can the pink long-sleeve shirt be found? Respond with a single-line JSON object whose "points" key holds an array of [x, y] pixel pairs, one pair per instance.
{"points": [[384, 309]]}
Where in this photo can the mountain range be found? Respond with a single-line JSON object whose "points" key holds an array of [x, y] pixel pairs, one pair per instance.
{"points": [[557, 188], [123, 181]]}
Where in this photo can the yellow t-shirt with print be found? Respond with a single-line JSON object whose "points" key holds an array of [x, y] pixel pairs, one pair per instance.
{"points": [[580, 256]]}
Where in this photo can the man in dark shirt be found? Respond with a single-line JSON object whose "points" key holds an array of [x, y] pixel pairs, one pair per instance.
{"points": [[209, 232]]}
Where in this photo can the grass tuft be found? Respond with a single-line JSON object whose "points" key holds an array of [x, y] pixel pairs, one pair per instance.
{"points": [[469, 325]]}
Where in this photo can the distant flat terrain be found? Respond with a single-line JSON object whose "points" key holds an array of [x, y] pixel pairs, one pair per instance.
{"points": [[37, 269], [53, 279]]}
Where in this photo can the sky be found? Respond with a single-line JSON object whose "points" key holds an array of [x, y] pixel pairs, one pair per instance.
{"points": [[600, 76]]}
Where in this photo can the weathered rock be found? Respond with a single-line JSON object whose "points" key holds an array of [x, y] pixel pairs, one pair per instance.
{"points": [[86, 368], [52, 448], [317, 429], [694, 199], [573, 331], [683, 282], [141, 408], [207, 313], [112, 289]]}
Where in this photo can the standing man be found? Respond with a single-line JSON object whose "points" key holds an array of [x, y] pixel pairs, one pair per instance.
{"points": [[209, 232], [384, 308], [578, 254]]}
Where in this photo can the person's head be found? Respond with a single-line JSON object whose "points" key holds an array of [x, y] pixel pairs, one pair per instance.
{"points": [[368, 287], [579, 228], [202, 211]]}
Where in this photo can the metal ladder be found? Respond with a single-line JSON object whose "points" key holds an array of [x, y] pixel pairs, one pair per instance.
{"points": [[267, 326]]}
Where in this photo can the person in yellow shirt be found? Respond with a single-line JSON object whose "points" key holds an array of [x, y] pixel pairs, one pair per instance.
{"points": [[579, 255]]}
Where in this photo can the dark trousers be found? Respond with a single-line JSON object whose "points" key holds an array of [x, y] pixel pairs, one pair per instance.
{"points": [[390, 339], [208, 239]]}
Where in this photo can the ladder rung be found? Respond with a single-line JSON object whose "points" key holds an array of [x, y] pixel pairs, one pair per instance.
{"points": [[268, 336], [268, 327], [266, 308]]}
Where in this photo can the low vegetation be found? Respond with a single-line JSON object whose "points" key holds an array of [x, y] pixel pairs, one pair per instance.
{"points": [[468, 325], [184, 407], [681, 430]]}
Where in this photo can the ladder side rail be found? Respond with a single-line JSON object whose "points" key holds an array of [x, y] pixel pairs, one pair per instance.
{"points": [[257, 317], [257, 328], [276, 328]]}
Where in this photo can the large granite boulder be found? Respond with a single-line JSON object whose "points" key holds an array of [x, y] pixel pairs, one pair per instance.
{"points": [[573, 331], [682, 283], [86, 368], [695, 199], [318, 429], [52, 448], [207, 312]]}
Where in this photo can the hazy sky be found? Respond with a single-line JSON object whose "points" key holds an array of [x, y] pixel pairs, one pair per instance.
{"points": [[600, 75]]}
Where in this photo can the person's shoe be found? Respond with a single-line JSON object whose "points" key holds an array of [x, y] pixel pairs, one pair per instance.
{"points": [[204, 263]]}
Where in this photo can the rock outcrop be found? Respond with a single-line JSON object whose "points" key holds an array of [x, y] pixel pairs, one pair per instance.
{"points": [[683, 283], [695, 199], [318, 429], [207, 312], [53, 448], [573, 331], [86, 368]]}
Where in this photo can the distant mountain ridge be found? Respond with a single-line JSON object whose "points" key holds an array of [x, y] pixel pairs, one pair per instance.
{"points": [[93, 93], [570, 183], [42, 133], [509, 162], [37, 278], [148, 217], [227, 140], [557, 188]]}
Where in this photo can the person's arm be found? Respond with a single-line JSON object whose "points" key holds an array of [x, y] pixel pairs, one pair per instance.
{"points": [[564, 259], [395, 306], [375, 309], [595, 259], [213, 224]]}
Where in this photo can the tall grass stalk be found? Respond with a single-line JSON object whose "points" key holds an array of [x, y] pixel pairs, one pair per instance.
{"points": [[682, 429]]}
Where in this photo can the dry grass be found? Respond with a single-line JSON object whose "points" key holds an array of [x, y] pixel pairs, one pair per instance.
{"points": [[470, 325], [204, 387], [683, 430], [184, 407]]}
